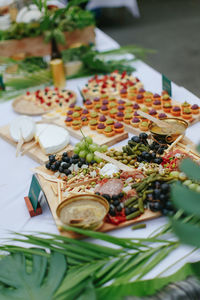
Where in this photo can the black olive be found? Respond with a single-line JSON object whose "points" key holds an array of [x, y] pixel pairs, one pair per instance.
{"points": [[151, 146], [112, 211], [119, 208], [121, 195], [116, 202], [57, 163], [65, 154], [169, 205], [155, 206], [115, 197], [153, 155], [149, 197], [75, 156], [92, 162], [160, 151], [158, 160], [148, 157], [139, 159], [106, 196], [133, 209], [157, 184], [82, 160], [53, 167], [97, 193], [52, 158], [66, 159], [75, 160], [65, 165], [165, 187], [60, 169], [67, 172], [135, 139], [143, 136], [48, 165], [144, 154], [127, 211], [163, 197], [156, 194], [80, 164]]}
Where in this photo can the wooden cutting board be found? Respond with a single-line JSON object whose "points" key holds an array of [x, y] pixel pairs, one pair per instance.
{"points": [[53, 202], [35, 153]]}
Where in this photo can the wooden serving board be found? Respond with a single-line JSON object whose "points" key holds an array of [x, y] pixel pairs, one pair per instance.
{"points": [[98, 138], [26, 107], [53, 202], [35, 153]]}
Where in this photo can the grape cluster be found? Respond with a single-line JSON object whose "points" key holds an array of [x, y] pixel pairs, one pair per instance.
{"points": [[159, 198], [85, 149]]}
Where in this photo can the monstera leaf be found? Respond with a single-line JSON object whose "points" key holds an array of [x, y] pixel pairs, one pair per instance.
{"points": [[24, 279], [189, 202]]}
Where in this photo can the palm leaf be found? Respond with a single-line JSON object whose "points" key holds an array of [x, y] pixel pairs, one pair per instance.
{"points": [[18, 284]]}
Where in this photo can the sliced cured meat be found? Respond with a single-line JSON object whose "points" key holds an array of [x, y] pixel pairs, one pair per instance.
{"points": [[134, 174], [112, 187]]}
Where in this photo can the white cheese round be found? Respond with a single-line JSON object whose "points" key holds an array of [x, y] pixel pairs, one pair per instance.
{"points": [[24, 127], [51, 138]]}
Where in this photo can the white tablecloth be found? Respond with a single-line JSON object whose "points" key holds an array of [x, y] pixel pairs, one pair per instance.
{"points": [[129, 4], [15, 173]]}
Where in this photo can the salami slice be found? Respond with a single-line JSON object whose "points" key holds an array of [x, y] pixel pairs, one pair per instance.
{"points": [[112, 187], [134, 174]]}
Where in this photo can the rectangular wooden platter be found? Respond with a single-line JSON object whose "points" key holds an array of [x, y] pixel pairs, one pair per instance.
{"points": [[53, 202], [137, 131], [35, 153], [98, 138]]}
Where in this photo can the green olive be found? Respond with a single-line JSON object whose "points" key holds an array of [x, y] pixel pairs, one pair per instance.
{"points": [[132, 162], [129, 158], [125, 161]]}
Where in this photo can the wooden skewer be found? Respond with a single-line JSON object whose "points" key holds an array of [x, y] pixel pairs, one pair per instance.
{"points": [[46, 176], [19, 144], [113, 161], [59, 193], [54, 189], [33, 145], [179, 138], [160, 123], [189, 151]]}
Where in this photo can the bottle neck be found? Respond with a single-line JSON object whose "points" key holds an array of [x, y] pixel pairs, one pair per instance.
{"points": [[55, 53]]}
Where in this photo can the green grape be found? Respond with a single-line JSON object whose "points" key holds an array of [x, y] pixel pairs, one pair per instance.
{"points": [[187, 182], [93, 147], [198, 189], [104, 148], [78, 145], [193, 186], [89, 140], [76, 150], [82, 154], [82, 145], [97, 159], [89, 157]]}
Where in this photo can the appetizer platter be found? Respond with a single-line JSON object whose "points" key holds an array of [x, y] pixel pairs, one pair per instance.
{"points": [[79, 121], [37, 140], [122, 96], [43, 101], [100, 189]]}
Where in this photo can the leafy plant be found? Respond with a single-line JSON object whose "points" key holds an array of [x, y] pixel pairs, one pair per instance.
{"points": [[52, 24], [35, 276], [189, 201], [92, 266]]}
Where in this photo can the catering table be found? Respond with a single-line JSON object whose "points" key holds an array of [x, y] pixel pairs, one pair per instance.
{"points": [[16, 173]]}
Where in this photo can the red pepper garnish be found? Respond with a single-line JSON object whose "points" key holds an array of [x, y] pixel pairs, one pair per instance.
{"points": [[27, 93]]}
